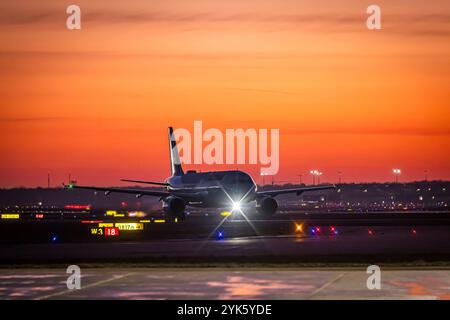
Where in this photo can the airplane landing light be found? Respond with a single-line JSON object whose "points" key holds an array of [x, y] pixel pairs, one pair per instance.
{"points": [[236, 206]]}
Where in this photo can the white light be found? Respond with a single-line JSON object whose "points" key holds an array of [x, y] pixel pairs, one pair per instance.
{"points": [[236, 206]]}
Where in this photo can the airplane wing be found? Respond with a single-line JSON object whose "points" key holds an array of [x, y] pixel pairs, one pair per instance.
{"points": [[146, 182], [298, 191], [138, 193]]}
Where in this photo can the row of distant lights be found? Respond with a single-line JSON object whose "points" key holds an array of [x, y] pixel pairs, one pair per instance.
{"points": [[317, 230], [299, 229], [220, 234], [316, 172]]}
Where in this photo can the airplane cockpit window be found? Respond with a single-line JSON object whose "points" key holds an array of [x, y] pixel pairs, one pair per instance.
{"points": [[242, 178], [216, 176]]}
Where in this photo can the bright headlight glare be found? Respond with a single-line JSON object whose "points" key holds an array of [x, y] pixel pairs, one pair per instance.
{"points": [[236, 206]]}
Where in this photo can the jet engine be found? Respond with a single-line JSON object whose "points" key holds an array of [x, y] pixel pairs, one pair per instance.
{"points": [[266, 206], [174, 206]]}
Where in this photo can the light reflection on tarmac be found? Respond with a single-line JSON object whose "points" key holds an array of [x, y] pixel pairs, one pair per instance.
{"points": [[394, 242], [213, 283]]}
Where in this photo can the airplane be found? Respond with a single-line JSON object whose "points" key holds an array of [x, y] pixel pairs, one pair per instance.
{"points": [[215, 189]]}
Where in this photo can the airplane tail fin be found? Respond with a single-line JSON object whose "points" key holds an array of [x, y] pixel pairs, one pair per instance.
{"points": [[175, 162]]}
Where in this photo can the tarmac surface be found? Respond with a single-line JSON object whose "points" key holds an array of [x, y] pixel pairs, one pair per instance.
{"points": [[211, 258], [230, 283], [351, 244]]}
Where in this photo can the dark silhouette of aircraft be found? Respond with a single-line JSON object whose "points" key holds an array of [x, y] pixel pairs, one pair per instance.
{"points": [[215, 189]]}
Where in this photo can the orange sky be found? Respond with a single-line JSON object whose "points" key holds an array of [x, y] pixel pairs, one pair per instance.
{"points": [[97, 102]]}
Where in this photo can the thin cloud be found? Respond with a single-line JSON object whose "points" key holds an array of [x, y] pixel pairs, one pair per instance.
{"points": [[372, 131], [264, 91], [201, 56], [32, 119], [436, 24]]}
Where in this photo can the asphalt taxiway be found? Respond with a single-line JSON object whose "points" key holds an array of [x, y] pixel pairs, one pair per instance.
{"points": [[284, 238], [351, 244]]}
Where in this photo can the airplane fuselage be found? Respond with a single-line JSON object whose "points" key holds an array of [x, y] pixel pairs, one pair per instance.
{"points": [[217, 189]]}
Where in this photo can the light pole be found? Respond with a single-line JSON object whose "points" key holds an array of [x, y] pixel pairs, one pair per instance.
{"points": [[397, 172], [313, 173], [318, 177], [301, 178], [316, 173]]}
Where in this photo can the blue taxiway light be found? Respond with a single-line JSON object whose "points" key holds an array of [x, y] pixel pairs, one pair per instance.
{"points": [[220, 235]]}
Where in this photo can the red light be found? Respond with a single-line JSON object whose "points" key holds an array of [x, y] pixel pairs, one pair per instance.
{"points": [[332, 229], [317, 229], [123, 204], [39, 216], [111, 232], [414, 231], [77, 206], [370, 232], [91, 221]]}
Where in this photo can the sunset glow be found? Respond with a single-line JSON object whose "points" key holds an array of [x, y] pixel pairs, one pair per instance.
{"points": [[96, 102]]}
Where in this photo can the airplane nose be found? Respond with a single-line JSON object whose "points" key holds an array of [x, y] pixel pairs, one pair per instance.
{"points": [[242, 191]]}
